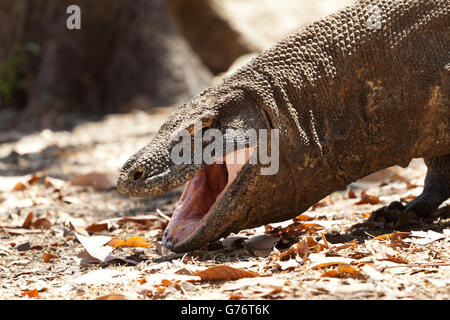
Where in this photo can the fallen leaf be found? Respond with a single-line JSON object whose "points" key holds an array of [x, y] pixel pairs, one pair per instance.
{"points": [[93, 228], [35, 178], [236, 296], [31, 293], [294, 230], [368, 199], [142, 280], [95, 246], [351, 194], [130, 242], [330, 274], [216, 273], [41, 223], [48, 257], [397, 239], [28, 220], [99, 181], [137, 242], [320, 261], [382, 237], [303, 217], [184, 271], [344, 271], [19, 187], [394, 258], [423, 238], [325, 242], [116, 242], [300, 249], [313, 245]]}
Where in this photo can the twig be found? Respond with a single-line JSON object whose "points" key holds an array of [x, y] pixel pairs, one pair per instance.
{"points": [[163, 215]]}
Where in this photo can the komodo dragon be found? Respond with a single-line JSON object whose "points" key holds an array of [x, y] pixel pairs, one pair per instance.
{"points": [[358, 91]]}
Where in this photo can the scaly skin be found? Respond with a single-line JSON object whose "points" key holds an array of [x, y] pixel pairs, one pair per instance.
{"points": [[348, 100]]}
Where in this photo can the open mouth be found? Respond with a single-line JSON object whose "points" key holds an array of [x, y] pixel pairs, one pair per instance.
{"points": [[198, 201]]}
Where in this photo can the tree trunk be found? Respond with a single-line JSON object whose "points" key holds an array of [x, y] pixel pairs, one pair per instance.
{"points": [[127, 54]]}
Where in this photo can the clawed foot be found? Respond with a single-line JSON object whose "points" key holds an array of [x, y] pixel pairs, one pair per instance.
{"points": [[399, 214]]}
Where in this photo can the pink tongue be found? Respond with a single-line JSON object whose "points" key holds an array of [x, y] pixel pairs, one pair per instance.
{"points": [[202, 194]]}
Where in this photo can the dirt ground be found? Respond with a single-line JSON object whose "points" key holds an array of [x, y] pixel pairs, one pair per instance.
{"points": [[66, 233]]}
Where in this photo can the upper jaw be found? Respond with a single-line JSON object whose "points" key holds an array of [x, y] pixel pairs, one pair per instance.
{"points": [[158, 184]]}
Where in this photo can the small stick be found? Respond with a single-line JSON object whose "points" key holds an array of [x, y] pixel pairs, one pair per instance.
{"points": [[163, 215]]}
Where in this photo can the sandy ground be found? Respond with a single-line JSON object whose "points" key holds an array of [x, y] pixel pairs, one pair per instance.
{"points": [[63, 227]]}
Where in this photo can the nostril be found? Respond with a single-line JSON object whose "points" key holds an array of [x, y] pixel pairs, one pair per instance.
{"points": [[138, 175]]}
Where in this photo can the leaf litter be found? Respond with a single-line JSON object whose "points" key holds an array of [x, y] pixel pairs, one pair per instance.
{"points": [[86, 242]]}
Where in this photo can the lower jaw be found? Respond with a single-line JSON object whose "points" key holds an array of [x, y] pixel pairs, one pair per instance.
{"points": [[185, 223]]}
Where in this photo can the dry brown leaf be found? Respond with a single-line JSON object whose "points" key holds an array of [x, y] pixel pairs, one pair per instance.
{"points": [[383, 237], [42, 223], [325, 242], [28, 220], [344, 271], [300, 249], [115, 243], [303, 217], [320, 261], [137, 242], [351, 244], [35, 178], [31, 293], [368, 199], [397, 239], [95, 246], [351, 194], [99, 181], [130, 242], [93, 228], [396, 258], [236, 296], [367, 214], [184, 271], [330, 274], [19, 187], [294, 230], [142, 280], [48, 257], [216, 273], [313, 245]]}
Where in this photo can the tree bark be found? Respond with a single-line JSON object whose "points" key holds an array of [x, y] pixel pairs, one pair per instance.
{"points": [[127, 54]]}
